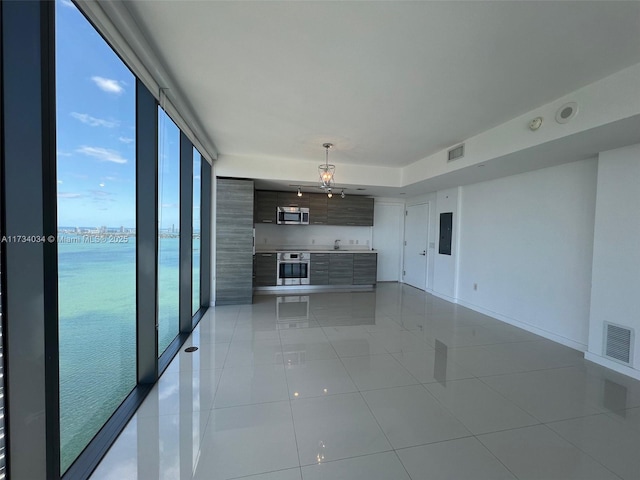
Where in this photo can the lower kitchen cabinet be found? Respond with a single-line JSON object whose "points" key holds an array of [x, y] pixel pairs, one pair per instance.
{"points": [[319, 269], [265, 270], [324, 269], [341, 269], [365, 268]]}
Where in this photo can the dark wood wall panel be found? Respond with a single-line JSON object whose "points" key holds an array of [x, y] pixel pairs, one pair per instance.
{"points": [[234, 241]]}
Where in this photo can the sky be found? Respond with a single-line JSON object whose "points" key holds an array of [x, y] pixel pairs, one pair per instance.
{"points": [[96, 133]]}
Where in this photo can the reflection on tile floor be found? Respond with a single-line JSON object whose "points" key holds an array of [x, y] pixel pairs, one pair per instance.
{"points": [[391, 384]]}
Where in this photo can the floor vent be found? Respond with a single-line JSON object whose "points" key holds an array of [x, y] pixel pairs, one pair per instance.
{"points": [[455, 153], [617, 343]]}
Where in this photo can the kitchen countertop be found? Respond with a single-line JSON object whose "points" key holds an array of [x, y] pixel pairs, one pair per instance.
{"points": [[318, 250]]}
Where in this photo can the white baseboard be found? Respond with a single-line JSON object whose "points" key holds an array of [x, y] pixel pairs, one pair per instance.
{"points": [[615, 366], [442, 296], [567, 342]]}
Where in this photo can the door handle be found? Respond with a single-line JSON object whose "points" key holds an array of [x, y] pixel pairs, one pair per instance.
{"points": [[423, 253]]}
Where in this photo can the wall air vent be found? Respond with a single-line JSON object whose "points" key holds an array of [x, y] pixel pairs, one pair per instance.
{"points": [[455, 153], [618, 341]]}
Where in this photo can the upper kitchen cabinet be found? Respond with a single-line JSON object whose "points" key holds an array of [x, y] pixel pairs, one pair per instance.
{"points": [[266, 206], [291, 199], [317, 208], [351, 211]]}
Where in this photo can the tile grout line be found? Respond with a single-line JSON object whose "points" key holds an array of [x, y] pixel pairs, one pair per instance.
{"points": [[374, 417], [293, 422], [224, 362], [580, 449], [206, 425]]}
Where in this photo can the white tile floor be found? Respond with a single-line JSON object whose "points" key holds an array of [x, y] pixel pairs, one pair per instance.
{"points": [[393, 384]]}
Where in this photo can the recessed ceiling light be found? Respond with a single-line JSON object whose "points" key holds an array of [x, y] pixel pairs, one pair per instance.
{"points": [[361, 189]]}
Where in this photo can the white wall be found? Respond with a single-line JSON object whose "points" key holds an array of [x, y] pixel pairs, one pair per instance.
{"points": [[388, 230], [615, 295], [307, 236], [444, 266], [527, 242]]}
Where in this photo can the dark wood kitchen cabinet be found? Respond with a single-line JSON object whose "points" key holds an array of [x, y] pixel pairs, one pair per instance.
{"points": [[341, 269], [350, 211], [361, 209], [319, 269], [365, 268], [266, 204], [291, 199], [317, 209], [265, 270]]}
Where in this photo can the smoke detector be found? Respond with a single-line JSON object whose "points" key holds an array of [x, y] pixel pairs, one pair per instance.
{"points": [[566, 112]]}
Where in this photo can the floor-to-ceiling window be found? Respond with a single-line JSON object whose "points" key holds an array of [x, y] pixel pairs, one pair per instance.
{"points": [[168, 229], [90, 180], [95, 115], [195, 275], [3, 457]]}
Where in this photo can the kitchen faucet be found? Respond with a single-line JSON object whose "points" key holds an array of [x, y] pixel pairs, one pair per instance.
{"points": [[336, 245]]}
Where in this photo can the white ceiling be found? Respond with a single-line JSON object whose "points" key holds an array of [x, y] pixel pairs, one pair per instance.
{"points": [[386, 82]]}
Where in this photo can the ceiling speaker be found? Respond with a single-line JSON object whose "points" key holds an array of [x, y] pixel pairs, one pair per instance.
{"points": [[566, 112]]}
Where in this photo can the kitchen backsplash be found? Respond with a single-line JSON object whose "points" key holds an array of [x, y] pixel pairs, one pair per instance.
{"points": [[312, 236]]}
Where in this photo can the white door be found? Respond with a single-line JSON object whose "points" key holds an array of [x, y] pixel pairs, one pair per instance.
{"points": [[416, 229]]}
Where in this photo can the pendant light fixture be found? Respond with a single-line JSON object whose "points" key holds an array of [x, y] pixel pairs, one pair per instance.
{"points": [[326, 171], [299, 192]]}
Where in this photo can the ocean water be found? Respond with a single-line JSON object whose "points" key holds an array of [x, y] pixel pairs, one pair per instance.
{"points": [[97, 330]]}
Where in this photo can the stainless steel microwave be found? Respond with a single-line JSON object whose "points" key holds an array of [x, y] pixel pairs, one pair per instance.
{"points": [[293, 216]]}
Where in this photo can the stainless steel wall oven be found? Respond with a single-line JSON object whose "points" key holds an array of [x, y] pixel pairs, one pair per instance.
{"points": [[293, 268]]}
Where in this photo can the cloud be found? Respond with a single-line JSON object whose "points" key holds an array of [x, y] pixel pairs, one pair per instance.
{"points": [[102, 154], [60, 182], [69, 195], [126, 140], [101, 197], [169, 205], [63, 154], [108, 85], [93, 121], [68, 3], [100, 193]]}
